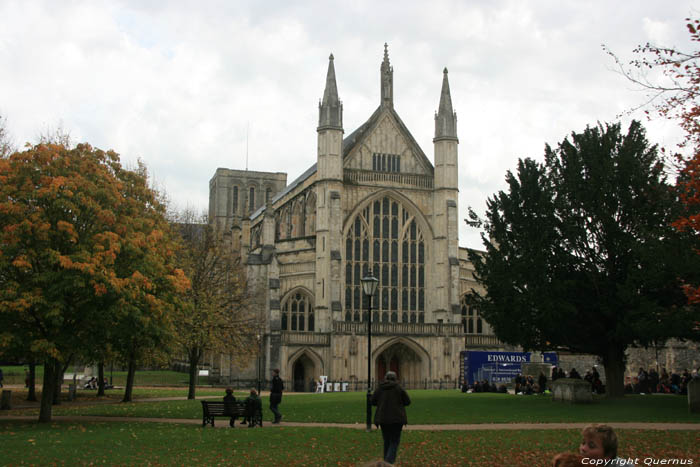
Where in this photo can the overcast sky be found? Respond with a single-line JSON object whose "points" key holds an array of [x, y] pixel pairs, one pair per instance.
{"points": [[177, 83]]}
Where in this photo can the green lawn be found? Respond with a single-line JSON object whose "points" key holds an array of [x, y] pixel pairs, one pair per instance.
{"points": [[164, 444], [428, 407], [173, 444]]}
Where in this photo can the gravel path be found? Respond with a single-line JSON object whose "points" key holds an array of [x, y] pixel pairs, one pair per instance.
{"points": [[361, 426]]}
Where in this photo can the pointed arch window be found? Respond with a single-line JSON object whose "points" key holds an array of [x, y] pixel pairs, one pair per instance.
{"points": [[471, 320], [394, 251], [298, 313]]}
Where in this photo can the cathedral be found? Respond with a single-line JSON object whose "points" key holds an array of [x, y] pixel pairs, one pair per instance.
{"points": [[373, 204]]}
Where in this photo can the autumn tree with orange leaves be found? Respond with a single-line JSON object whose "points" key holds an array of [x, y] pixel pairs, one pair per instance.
{"points": [[84, 248], [676, 96]]}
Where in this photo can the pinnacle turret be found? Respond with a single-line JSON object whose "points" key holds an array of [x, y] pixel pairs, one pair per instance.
{"points": [[330, 109], [445, 118], [387, 80]]}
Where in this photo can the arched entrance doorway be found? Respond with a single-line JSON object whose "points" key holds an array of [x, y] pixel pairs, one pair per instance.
{"points": [[303, 374], [402, 360]]}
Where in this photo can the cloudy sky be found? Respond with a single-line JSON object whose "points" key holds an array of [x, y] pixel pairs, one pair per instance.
{"points": [[192, 86]]}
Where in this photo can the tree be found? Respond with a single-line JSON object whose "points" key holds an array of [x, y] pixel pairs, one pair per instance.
{"points": [[6, 146], [581, 255], [69, 221], [216, 314], [688, 186], [675, 95], [150, 284]]}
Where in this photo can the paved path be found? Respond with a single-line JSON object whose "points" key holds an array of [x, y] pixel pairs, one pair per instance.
{"points": [[361, 426]]}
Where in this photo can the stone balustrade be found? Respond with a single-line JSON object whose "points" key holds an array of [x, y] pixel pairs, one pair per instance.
{"points": [[360, 176]]}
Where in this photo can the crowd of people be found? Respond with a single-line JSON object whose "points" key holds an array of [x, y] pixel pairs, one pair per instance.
{"points": [[592, 376], [645, 382], [484, 386], [650, 382]]}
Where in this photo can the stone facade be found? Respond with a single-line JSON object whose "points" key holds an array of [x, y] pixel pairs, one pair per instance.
{"points": [[372, 204]]}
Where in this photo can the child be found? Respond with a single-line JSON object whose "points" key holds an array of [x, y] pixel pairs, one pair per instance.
{"points": [[253, 408], [600, 442]]}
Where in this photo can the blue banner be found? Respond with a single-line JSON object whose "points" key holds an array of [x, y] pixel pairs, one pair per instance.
{"points": [[498, 367]]}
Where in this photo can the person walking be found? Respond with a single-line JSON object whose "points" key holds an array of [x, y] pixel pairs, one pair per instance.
{"points": [[276, 395], [391, 401]]}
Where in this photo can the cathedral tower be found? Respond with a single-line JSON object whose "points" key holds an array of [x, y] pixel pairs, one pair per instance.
{"points": [[329, 188]]}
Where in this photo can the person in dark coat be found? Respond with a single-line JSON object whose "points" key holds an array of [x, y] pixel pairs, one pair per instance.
{"points": [[229, 399], [391, 400], [542, 382], [276, 395]]}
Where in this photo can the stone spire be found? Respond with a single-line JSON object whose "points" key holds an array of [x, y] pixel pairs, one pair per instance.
{"points": [[445, 118], [387, 78], [330, 109]]}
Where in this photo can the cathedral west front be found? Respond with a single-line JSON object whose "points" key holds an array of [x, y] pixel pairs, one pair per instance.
{"points": [[373, 204]]}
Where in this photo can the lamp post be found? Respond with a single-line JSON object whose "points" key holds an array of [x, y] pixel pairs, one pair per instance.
{"points": [[259, 339], [369, 286]]}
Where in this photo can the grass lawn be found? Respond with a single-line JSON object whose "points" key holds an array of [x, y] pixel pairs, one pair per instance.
{"points": [[169, 444], [428, 407], [165, 444]]}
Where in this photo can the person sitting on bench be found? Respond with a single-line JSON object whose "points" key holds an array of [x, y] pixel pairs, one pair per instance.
{"points": [[229, 399]]}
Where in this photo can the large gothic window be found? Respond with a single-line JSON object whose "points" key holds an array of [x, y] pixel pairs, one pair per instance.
{"points": [[298, 313], [385, 241], [471, 320]]}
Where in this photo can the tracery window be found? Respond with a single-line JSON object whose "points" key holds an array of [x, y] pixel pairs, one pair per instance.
{"points": [[235, 199], [471, 320], [298, 313], [385, 241]]}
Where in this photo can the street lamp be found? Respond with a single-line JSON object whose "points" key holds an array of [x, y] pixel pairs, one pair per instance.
{"points": [[369, 286]]}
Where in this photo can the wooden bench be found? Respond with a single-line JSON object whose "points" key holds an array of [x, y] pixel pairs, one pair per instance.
{"points": [[212, 409]]}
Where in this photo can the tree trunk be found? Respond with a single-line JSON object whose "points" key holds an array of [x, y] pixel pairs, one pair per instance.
{"points": [[130, 378], [101, 378], [58, 378], [47, 390], [31, 382], [194, 361], [614, 361]]}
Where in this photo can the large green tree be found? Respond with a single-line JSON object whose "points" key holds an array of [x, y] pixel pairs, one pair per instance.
{"points": [[580, 252]]}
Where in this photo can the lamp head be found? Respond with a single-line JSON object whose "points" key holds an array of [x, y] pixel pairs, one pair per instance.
{"points": [[369, 285]]}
